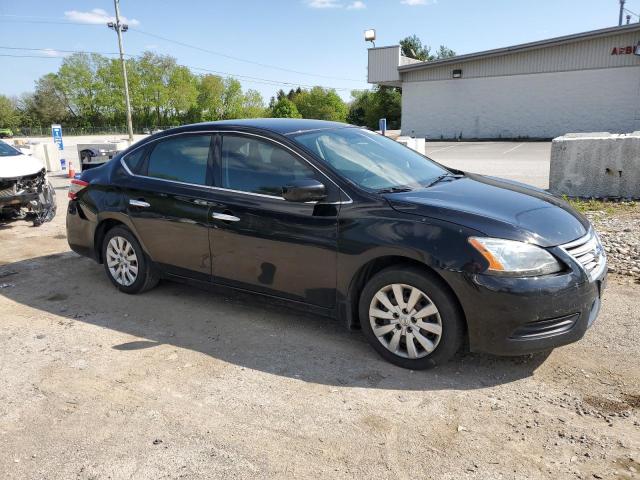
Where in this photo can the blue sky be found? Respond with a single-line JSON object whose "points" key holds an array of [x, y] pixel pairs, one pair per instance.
{"points": [[321, 38]]}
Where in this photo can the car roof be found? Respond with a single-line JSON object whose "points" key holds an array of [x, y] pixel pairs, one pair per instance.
{"points": [[282, 126]]}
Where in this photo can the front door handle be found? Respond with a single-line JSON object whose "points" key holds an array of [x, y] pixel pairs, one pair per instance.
{"points": [[224, 217], [139, 203]]}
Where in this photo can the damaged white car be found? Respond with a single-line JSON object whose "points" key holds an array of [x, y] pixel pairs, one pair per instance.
{"points": [[25, 191]]}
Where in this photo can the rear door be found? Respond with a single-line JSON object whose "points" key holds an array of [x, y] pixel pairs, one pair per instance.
{"points": [[260, 241], [169, 202]]}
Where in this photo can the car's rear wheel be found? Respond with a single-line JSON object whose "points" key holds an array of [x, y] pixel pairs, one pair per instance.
{"points": [[411, 318], [125, 262]]}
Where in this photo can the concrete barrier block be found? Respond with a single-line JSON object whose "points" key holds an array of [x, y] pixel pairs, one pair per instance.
{"points": [[49, 154], [599, 165], [417, 144]]}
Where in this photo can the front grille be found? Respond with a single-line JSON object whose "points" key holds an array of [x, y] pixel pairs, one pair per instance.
{"points": [[8, 192], [545, 328], [589, 254]]}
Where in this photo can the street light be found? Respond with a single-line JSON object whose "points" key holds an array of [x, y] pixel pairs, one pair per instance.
{"points": [[370, 36]]}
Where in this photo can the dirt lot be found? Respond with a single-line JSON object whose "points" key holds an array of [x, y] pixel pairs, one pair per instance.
{"points": [[183, 383]]}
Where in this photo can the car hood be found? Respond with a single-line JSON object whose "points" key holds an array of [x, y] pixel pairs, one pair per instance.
{"points": [[19, 166], [497, 208]]}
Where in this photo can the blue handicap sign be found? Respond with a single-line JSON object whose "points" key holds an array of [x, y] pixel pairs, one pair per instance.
{"points": [[56, 132]]}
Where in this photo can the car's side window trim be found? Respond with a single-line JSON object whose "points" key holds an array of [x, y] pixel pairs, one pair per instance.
{"points": [[220, 133]]}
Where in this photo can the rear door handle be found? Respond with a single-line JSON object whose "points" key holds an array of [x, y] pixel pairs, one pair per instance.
{"points": [[224, 217], [139, 203]]}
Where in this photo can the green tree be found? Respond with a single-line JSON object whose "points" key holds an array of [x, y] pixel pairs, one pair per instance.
{"points": [[109, 87], [9, 113], [413, 47], [232, 99], [369, 106], [210, 97], [285, 108], [361, 101], [152, 95], [78, 81], [253, 105], [183, 91], [321, 103], [48, 104], [87, 90], [444, 52]]}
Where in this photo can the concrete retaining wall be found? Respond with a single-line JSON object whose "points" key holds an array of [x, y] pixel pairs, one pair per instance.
{"points": [[599, 165]]}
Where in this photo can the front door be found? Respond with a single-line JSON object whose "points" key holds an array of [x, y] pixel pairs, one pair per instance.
{"points": [[259, 241], [168, 201]]}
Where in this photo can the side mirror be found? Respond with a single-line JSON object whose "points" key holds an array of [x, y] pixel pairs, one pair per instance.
{"points": [[304, 190]]}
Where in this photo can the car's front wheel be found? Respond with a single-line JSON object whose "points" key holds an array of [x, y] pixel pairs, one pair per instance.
{"points": [[410, 318], [125, 262]]}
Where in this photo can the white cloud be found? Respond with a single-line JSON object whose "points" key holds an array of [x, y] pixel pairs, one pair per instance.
{"points": [[357, 5], [50, 52], [324, 4], [413, 3], [354, 5], [97, 16]]}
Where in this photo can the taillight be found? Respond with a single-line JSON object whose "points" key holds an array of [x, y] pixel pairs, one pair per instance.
{"points": [[75, 187]]}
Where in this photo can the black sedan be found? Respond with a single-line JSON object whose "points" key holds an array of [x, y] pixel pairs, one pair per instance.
{"points": [[348, 223]]}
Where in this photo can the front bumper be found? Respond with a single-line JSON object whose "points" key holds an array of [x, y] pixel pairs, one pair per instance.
{"points": [[515, 316], [31, 197]]}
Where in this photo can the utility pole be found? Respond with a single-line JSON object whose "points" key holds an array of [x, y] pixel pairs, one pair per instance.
{"points": [[119, 28], [622, 2]]}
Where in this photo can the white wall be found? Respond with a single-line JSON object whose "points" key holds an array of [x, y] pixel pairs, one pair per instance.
{"points": [[542, 105]]}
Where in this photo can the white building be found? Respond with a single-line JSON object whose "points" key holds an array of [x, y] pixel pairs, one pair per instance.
{"points": [[587, 82]]}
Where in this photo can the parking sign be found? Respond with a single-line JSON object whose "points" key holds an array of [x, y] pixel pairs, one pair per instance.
{"points": [[56, 132]]}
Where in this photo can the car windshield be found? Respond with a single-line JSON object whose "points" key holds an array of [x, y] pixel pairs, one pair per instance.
{"points": [[7, 150], [371, 161]]}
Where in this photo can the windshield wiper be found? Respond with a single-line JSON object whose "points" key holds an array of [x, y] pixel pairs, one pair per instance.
{"points": [[394, 190], [439, 178]]}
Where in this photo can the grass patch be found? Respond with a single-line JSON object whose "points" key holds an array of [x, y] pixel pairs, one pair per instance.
{"points": [[607, 206]]}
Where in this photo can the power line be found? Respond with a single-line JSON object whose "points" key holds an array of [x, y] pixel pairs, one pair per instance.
{"points": [[61, 51], [53, 22], [246, 78], [28, 56], [232, 57], [35, 19]]}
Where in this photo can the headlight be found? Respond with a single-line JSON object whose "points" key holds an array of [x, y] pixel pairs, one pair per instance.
{"points": [[518, 259]]}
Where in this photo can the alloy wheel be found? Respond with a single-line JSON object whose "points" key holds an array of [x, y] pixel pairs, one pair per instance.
{"points": [[405, 321], [122, 261]]}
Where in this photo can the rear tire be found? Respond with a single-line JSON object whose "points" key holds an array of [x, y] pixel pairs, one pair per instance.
{"points": [[423, 329], [125, 263]]}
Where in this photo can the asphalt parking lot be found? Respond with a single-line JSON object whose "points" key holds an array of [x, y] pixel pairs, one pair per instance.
{"points": [[184, 383], [526, 162]]}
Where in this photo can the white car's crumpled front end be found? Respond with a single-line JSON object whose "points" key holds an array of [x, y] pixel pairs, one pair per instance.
{"points": [[25, 191]]}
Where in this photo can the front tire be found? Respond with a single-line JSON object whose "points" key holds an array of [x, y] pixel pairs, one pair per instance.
{"points": [[411, 318], [125, 262]]}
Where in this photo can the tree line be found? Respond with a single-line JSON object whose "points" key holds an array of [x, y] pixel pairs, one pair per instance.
{"points": [[86, 91]]}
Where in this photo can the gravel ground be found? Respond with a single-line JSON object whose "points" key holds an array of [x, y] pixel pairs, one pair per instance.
{"points": [[183, 383], [620, 234]]}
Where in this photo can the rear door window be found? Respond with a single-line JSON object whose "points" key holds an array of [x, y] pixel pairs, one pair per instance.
{"points": [[181, 159], [134, 160]]}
